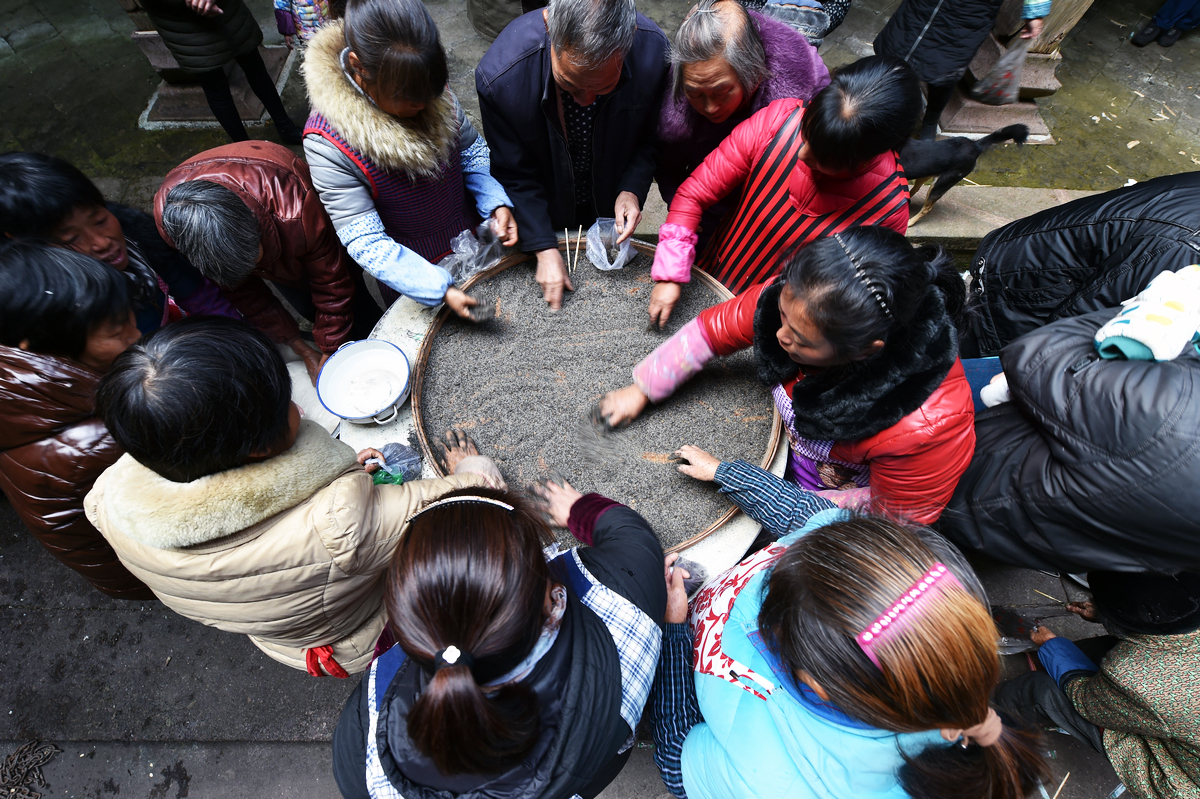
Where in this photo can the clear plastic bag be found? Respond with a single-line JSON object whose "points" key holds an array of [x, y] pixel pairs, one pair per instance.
{"points": [[1002, 85], [472, 253], [602, 249]]}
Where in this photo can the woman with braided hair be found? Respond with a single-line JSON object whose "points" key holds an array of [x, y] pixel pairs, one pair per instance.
{"points": [[857, 339], [514, 673]]}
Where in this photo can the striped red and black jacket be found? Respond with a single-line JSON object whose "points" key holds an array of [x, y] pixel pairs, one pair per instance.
{"points": [[782, 201]]}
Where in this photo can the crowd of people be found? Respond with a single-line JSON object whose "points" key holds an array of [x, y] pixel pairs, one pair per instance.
{"points": [[154, 441]]}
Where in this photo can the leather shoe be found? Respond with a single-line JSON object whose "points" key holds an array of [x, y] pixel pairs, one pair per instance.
{"points": [[1170, 37], [1146, 35]]}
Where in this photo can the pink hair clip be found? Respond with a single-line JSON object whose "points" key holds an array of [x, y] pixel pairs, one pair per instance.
{"points": [[903, 611]]}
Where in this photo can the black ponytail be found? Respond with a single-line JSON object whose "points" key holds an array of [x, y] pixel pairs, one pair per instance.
{"points": [[1011, 768], [471, 575]]}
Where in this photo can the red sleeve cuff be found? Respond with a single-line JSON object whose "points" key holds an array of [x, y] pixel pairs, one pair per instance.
{"points": [[586, 511]]}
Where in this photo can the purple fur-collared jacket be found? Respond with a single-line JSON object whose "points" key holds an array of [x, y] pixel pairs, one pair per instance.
{"points": [[686, 138]]}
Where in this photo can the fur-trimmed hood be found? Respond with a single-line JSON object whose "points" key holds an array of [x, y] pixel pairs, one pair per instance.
{"points": [[857, 401], [795, 70], [163, 514], [419, 145]]}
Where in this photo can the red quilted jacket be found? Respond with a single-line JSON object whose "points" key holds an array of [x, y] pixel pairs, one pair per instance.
{"points": [[813, 192], [915, 463]]}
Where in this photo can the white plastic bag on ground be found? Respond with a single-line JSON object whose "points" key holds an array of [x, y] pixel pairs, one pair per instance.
{"points": [[602, 249], [1002, 85]]}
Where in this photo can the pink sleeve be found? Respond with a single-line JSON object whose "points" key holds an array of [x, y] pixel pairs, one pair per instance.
{"points": [[853, 498], [673, 362], [675, 254]]}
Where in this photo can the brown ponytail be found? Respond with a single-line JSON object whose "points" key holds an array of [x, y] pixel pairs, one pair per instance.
{"points": [[936, 674], [471, 575]]}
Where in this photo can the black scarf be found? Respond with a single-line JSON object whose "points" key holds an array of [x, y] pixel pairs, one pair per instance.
{"points": [[862, 398]]}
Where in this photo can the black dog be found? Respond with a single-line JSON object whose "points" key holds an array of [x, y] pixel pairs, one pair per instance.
{"points": [[949, 160]]}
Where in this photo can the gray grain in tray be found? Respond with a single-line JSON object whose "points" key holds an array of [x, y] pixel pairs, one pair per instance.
{"points": [[523, 385]]}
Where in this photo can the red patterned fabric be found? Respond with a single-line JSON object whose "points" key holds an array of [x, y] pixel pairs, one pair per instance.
{"points": [[782, 201], [709, 612]]}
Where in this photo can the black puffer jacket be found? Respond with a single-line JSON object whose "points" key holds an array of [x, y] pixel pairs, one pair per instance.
{"points": [[938, 38], [1093, 465], [1082, 256], [201, 43]]}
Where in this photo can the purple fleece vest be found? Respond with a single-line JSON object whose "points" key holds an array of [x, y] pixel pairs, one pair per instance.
{"points": [[421, 213]]}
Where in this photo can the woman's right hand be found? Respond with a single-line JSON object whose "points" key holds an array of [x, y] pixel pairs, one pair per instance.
{"points": [[662, 301], [700, 465], [460, 302], [1085, 611], [558, 497], [622, 406]]}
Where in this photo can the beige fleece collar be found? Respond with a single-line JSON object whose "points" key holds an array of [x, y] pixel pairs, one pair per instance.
{"points": [[419, 145], [159, 513]]}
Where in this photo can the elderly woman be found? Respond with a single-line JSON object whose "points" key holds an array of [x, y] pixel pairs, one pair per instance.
{"points": [[802, 171], [727, 63]]}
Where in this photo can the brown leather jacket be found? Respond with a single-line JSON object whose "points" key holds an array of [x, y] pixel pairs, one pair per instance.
{"points": [[52, 448], [300, 247]]}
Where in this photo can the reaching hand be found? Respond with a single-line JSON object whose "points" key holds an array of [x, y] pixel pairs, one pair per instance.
{"points": [[458, 445], [662, 300], [552, 277], [628, 214], [622, 406], [700, 464], [460, 302], [677, 601], [558, 499], [1041, 634], [1032, 29], [205, 8], [366, 455], [504, 225], [1084, 610], [313, 360]]}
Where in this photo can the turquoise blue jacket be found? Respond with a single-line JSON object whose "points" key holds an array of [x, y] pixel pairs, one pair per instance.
{"points": [[791, 744]]}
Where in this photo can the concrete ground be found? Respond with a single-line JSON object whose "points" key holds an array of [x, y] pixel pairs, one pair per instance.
{"points": [[145, 703]]}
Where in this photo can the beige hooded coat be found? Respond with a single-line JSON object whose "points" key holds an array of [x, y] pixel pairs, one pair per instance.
{"points": [[291, 551]]}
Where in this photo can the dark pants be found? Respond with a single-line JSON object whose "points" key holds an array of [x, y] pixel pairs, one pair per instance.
{"points": [[1182, 14], [1037, 699], [220, 98], [936, 100], [366, 310]]}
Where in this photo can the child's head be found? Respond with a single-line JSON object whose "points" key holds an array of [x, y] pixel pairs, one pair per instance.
{"points": [[214, 230], [471, 573], [870, 107], [57, 302], [200, 396], [934, 669], [48, 198], [846, 294], [396, 53]]}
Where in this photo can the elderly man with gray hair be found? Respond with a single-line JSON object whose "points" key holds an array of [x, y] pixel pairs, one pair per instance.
{"points": [[569, 97], [246, 213]]}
